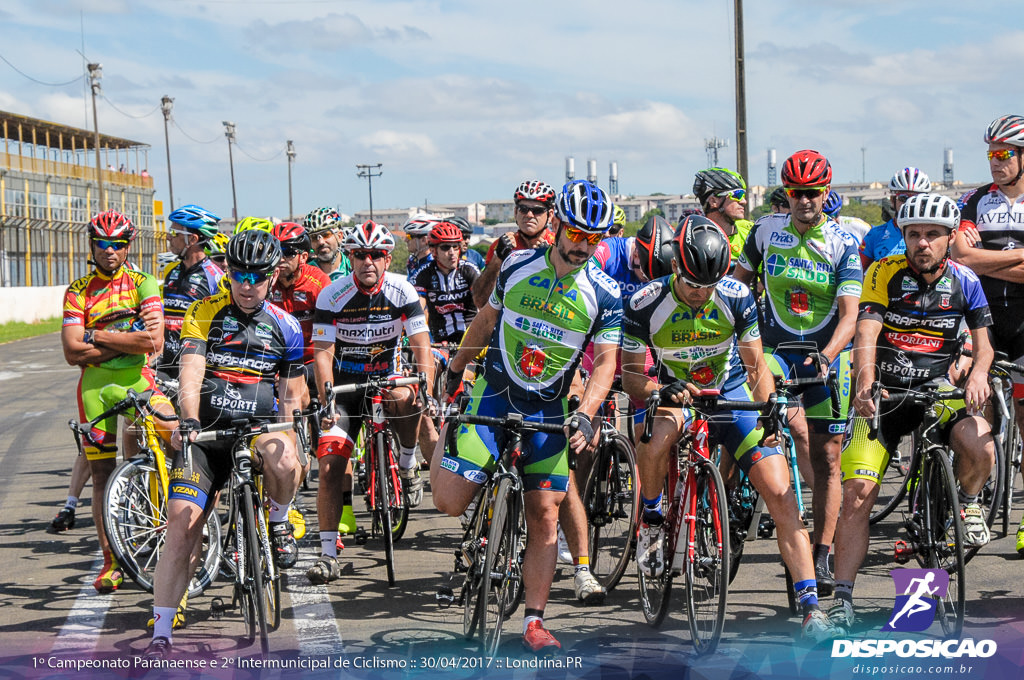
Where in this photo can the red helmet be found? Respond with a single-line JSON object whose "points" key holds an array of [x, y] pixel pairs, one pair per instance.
{"points": [[292, 235], [111, 226], [444, 232], [806, 168]]}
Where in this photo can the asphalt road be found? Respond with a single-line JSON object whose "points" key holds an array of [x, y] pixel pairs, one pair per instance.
{"points": [[50, 610]]}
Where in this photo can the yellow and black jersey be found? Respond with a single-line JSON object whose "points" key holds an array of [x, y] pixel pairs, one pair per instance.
{"points": [[920, 321]]}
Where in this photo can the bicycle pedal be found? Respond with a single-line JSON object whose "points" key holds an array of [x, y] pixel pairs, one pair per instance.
{"points": [[902, 552], [217, 608], [361, 537], [445, 597]]}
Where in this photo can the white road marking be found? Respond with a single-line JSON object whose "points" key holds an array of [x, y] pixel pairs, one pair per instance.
{"points": [[316, 626], [84, 623]]}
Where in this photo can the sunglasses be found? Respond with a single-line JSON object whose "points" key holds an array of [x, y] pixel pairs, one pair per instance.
{"points": [[289, 252], [537, 210], [809, 192], [576, 235], [1003, 154], [734, 194], [445, 247], [252, 278], [359, 255], [116, 245], [903, 196], [699, 286]]}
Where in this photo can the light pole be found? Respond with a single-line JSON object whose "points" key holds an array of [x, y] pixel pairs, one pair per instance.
{"points": [[741, 97], [367, 172], [166, 104], [229, 132], [95, 73], [290, 153]]}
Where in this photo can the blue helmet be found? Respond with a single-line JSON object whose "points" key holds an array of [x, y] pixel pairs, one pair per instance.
{"points": [[196, 219], [833, 204], [585, 206]]}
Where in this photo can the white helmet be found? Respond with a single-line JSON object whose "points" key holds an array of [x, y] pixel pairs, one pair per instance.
{"points": [[419, 224], [910, 180], [369, 236], [929, 209]]}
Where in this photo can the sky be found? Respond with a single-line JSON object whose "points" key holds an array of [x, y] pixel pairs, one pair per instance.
{"points": [[462, 100]]}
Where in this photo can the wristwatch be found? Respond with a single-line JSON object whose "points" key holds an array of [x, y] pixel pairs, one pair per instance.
{"points": [[87, 338]]}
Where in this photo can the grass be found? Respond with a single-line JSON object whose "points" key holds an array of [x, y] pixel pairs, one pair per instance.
{"points": [[16, 330]]}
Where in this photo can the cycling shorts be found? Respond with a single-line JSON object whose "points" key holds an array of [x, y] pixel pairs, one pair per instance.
{"points": [[1008, 337], [545, 459], [211, 469], [867, 459], [340, 440], [816, 402], [100, 388], [737, 431]]}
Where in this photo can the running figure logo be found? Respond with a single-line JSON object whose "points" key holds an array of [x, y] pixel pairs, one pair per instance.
{"points": [[918, 592]]}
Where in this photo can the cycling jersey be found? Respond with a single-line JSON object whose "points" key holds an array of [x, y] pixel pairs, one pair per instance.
{"points": [[693, 345], [181, 288], [414, 265], [1000, 223], [299, 300], [614, 256], [920, 321], [547, 238], [449, 299], [244, 353], [546, 322], [474, 258], [344, 268], [804, 275], [739, 238], [884, 240], [854, 226], [113, 302], [367, 328]]}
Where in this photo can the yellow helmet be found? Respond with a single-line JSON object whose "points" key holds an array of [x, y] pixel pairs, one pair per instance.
{"points": [[258, 223], [217, 244], [618, 216]]}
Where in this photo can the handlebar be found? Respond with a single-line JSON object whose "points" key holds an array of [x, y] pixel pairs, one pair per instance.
{"points": [[904, 395], [512, 421]]}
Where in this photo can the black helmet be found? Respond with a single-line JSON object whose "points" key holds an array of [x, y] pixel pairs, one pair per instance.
{"points": [[254, 251], [463, 226], [715, 180], [654, 247], [778, 198], [702, 250]]}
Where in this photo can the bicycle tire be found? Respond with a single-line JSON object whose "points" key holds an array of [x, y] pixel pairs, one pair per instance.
{"points": [[707, 584], [477, 536], [893, 487], [271, 592], [611, 499], [1011, 464], [742, 513], [251, 508], [243, 595], [656, 591], [500, 566], [135, 525], [515, 595], [943, 544], [399, 496], [382, 507]]}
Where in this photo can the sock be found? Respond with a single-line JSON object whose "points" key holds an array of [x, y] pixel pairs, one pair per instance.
{"points": [[966, 498], [652, 509], [278, 511], [582, 564], [821, 553], [71, 502], [346, 498], [163, 621], [531, 615], [328, 543], [807, 594], [407, 457], [844, 590]]}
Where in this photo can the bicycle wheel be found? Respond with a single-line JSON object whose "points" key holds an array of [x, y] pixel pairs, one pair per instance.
{"points": [[893, 488], [943, 538], [743, 517], [135, 523], [1011, 466], [655, 591], [254, 586], [515, 589], [399, 498], [381, 475], [271, 592], [474, 542], [706, 572], [502, 574], [240, 546], [611, 499]]}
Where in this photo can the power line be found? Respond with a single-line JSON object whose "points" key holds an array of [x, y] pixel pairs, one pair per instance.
{"points": [[125, 113], [197, 141], [259, 160], [35, 80]]}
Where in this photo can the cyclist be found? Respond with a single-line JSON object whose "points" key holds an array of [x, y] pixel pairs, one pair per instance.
{"points": [[534, 202], [812, 278], [618, 221], [723, 197], [241, 356], [989, 242], [547, 304], [854, 226], [417, 229], [357, 333], [253, 223], [779, 201], [474, 257], [887, 239], [629, 260], [112, 320], [323, 226], [910, 315], [216, 249], [192, 278]]}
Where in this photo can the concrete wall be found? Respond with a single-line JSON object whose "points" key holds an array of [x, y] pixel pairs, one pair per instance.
{"points": [[33, 303]]}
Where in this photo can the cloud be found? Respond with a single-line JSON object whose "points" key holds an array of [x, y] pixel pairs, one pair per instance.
{"points": [[331, 33], [393, 145]]}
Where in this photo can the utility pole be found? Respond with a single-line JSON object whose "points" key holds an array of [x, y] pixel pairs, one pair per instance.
{"points": [[95, 73], [367, 172], [229, 132], [741, 97], [166, 104], [863, 164], [290, 153]]}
